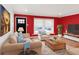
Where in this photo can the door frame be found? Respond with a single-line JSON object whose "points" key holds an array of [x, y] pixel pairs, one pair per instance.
{"points": [[15, 22]]}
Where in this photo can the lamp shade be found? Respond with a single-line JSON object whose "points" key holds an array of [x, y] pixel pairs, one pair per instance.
{"points": [[20, 29]]}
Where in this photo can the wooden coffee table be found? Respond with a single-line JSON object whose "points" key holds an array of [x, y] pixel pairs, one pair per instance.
{"points": [[55, 45]]}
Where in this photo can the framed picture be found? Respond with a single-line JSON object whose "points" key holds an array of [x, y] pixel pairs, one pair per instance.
{"points": [[4, 21]]}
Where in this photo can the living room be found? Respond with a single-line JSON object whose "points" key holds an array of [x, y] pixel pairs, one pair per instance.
{"points": [[49, 29]]}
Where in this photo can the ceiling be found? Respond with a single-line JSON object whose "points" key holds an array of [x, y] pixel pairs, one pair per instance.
{"points": [[55, 10]]}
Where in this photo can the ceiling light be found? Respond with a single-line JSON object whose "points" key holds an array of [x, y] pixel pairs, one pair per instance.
{"points": [[60, 14], [26, 10]]}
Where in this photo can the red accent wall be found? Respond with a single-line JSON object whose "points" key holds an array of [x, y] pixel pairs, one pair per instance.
{"points": [[30, 22], [72, 19], [56, 22]]}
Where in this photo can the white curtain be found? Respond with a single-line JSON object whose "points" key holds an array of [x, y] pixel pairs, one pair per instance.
{"points": [[45, 24]]}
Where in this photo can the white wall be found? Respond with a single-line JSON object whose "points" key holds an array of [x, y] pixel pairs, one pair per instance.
{"points": [[4, 37]]}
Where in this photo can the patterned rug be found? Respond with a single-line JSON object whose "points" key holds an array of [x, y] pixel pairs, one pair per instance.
{"points": [[28, 53]]}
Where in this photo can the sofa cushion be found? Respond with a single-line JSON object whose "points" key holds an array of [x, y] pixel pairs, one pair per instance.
{"points": [[13, 39], [35, 45], [26, 35], [16, 34]]}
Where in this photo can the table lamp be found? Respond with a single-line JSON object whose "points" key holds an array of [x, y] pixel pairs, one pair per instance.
{"points": [[20, 29]]}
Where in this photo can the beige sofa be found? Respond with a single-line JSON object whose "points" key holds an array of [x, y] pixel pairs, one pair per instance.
{"points": [[11, 47]]}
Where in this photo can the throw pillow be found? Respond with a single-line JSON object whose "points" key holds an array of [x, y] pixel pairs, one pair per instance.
{"points": [[20, 37], [27, 45]]}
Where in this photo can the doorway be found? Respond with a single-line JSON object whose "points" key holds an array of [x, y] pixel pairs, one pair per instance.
{"points": [[21, 22]]}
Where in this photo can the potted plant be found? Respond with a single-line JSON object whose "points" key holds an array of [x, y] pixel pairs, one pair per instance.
{"points": [[60, 27]]}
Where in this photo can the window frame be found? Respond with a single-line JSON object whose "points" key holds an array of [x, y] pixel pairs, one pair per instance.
{"points": [[52, 31]]}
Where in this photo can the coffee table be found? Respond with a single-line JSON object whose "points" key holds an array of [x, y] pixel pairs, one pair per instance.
{"points": [[55, 45]]}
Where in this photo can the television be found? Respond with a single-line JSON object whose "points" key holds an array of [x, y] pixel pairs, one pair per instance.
{"points": [[4, 20], [73, 29]]}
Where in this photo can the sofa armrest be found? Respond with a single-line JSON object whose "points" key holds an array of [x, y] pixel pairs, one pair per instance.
{"points": [[35, 45], [12, 47]]}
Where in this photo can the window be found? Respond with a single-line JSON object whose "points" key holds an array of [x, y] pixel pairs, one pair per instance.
{"points": [[43, 24]]}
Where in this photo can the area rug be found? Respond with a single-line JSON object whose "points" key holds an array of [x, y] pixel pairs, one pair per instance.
{"points": [[28, 53]]}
